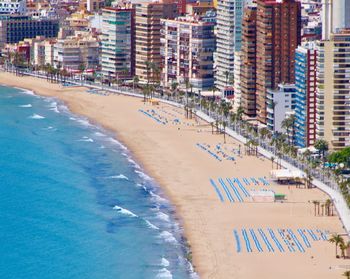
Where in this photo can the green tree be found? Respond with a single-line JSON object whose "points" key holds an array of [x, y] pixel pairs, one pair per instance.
{"points": [[322, 146], [337, 240]]}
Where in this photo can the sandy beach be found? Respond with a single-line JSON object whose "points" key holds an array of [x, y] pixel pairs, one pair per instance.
{"points": [[170, 154]]}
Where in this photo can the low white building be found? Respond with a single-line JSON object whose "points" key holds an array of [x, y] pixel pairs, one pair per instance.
{"points": [[280, 104]]}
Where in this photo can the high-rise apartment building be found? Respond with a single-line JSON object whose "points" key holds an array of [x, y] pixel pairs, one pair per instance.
{"points": [[228, 39], [278, 35], [117, 43], [333, 90], [147, 36], [248, 62], [335, 16], [188, 46], [305, 100]]}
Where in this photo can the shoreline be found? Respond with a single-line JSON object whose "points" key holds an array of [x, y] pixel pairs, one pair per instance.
{"points": [[176, 216], [201, 218]]}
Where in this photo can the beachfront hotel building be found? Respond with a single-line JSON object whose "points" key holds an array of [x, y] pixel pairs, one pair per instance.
{"points": [[280, 104], [16, 28], [117, 43], [188, 46], [228, 39], [305, 98], [13, 6], [79, 52], [333, 90], [147, 36], [278, 35], [248, 62]]}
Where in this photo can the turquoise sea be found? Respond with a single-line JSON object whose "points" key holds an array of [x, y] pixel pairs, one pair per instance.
{"points": [[74, 204]]}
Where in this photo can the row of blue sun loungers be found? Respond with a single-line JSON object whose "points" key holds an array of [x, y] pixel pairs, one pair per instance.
{"points": [[289, 239], [231, 189], [252, 180], [152, 116], [223, 153], [203, 147]]}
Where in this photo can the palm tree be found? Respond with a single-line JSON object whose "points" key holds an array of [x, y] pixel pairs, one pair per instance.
{"points": [[322, 146], [337, 240], [315, 206], [343, 247], [328, 204], [289, 125], [226, 77], [308, 178], [174, 86], [135, 81], [272, 160], [264, 132]]}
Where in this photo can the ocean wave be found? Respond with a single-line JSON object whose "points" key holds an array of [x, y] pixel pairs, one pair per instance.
{"points": [[86, 139], [98, 134], [164, 262], [25, 106], [162, 216], [83, 122], [119, 176], [26, 91], [36, 116], [143, 175], [150, 225], [156, 197], [164, 273], [124, 211], [112, 140], [54, 107], [168, 237]]}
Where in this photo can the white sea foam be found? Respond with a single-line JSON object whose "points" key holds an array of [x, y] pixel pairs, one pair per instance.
{"points": [[164, 273], [72, 118], [36, 116], [164, 262], [86, 139], [98, 134], [112, 140], [124, 211], [84, 122], [102, 147], [150, 225], [25, 106], [25, 91], [162, 216], [119, 176], [54, 107], [157, 198], [143, 175], [168, 237]]}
